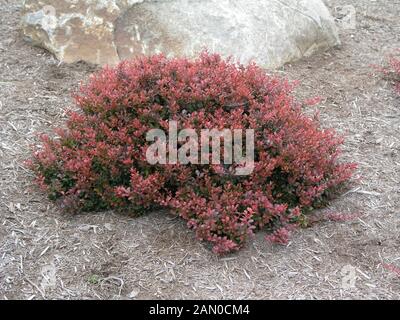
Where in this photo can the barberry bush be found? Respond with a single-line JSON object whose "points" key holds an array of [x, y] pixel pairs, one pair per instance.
{"points": [[98, 161]]}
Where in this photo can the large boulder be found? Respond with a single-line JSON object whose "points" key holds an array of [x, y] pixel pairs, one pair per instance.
{"points": [[269, 32]]}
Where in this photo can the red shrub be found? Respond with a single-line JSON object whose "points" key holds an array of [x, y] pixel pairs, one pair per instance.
{"points": [[99, 161]]}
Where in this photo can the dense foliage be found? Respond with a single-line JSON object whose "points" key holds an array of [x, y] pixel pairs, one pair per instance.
{"points": [[99, 160]]}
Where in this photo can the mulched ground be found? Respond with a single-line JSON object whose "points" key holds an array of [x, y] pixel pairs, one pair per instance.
{"points": [[47, 254]]}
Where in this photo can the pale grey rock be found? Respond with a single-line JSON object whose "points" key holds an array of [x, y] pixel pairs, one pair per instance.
{"points": [[269, 32]]}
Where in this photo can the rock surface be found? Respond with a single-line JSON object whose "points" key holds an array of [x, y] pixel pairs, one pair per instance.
{"points": [[269, 32]]}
